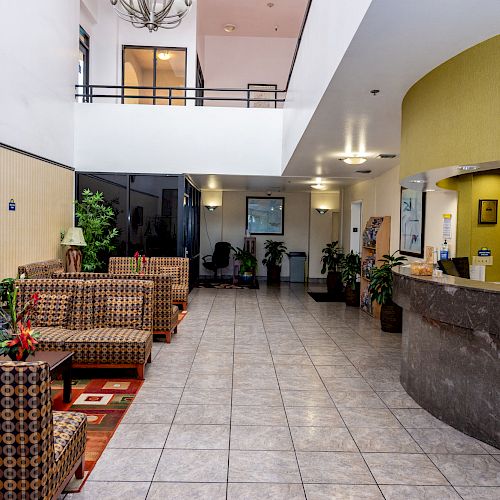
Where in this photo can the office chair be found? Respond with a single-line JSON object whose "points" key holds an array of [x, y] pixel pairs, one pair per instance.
{"points": [[219, 259]]}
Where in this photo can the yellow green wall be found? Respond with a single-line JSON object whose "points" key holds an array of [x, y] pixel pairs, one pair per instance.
{"points": [[471, 235], [451, 116]]}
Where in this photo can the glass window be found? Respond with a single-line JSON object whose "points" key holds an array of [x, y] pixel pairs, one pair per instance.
{"points": [[83, 63], [154, 67]]}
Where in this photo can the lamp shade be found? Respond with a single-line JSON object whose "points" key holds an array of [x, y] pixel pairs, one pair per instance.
{"points": [[74, 237]]}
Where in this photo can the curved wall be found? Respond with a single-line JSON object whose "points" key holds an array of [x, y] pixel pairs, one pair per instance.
{"points": [[450, 116]]}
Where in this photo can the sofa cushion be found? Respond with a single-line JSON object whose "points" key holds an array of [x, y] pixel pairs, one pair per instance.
{"points": [[69, 430], [51, 310], [124, 312], [52, 338], [180, 293], [173, 271], [110, 346]]}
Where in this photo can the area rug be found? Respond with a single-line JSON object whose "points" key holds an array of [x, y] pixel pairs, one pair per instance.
{"points": [[227, 286], [326, 297], [105, 402]]}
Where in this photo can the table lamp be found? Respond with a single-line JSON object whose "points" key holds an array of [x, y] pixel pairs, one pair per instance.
{"points": [[74, 239]]}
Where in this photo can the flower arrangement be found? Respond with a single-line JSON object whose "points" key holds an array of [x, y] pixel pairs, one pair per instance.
{"points": [[138, 263], [17, 339]]}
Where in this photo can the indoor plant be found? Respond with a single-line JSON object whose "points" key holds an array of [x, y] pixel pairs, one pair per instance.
{"points": [[96, 219], [138, 263], [17, 339], [380, 288], [332, 259], [351, 269], [248, 263], [275, 250]]}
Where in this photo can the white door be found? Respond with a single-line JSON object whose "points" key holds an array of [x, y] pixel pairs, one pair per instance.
{"points": [[355, 239]]}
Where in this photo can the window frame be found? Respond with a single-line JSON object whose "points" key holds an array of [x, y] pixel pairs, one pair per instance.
{"points": [[84, 47]]}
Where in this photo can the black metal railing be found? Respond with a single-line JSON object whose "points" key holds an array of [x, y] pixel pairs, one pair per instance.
{"points": [[170, 95]]}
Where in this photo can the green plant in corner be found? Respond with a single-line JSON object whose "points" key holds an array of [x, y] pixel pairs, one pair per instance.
{"points": [[248, 262], [332, 257], [351, 269], [381, 279], [96, 219], [275, 251]]}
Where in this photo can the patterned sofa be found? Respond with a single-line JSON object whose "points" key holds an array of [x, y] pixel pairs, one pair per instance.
{"points": [[165, 314], [40, 450], [176, 267], [44, 269], [106, 323]]}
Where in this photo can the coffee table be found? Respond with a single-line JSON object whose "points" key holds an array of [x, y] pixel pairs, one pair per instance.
{"points": [[59, 363]]}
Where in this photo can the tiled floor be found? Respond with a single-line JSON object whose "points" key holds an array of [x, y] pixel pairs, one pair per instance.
{"points": [[269, 395]]}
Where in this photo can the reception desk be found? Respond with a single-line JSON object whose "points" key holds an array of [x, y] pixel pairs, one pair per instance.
{"points": [[451, 350]]}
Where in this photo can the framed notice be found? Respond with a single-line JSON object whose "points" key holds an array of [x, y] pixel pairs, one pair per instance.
{"points": [[488, 211], [412, 227], [259, 93], [265, 215]]}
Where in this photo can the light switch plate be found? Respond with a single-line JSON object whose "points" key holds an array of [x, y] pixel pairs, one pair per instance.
{"points": [[482, 261]]}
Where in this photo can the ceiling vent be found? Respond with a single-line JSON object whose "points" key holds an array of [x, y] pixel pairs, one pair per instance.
{"points": [[384, 156], [363, 171]]}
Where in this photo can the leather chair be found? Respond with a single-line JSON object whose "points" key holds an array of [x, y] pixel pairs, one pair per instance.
{"points": [[219, 259]]}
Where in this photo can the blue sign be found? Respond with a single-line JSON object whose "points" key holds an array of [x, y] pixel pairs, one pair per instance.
{"points": [[12, 205], [484, 252]]}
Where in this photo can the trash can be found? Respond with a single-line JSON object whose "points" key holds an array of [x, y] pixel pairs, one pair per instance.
{"points": [[297, 266]]}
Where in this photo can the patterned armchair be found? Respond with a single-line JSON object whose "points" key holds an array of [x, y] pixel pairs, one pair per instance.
{"points": [[40, 270], [106, 323], [40, 450], [165, 314], [175, 267]]}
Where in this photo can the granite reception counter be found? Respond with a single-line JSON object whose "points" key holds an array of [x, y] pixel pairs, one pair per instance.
{"points": [[451, 350]]}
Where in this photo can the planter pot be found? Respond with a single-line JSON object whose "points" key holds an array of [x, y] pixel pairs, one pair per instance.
{"points": [[246, 277], [273, 274], [391, 318], [352, 296], [334, 283], [12, 356]]}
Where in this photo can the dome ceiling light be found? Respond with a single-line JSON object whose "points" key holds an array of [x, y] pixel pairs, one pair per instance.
{"points": [[229, 28], [319, 185], [354, 160], [152, 14], [164, 55]]}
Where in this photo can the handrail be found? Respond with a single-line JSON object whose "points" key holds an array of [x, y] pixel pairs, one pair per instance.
{"points": [[89, 92]]}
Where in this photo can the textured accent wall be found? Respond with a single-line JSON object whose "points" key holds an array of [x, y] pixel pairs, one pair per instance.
{"points": [[43, 194], [451, 116]]}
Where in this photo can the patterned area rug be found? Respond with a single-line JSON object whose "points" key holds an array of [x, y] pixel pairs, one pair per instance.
{"points": [[228, 286], [105, 402]]}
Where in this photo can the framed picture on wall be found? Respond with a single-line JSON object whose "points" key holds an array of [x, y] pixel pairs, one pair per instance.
{"points": [[265, 215], [412, 223], [488, 211], [255, 91]]}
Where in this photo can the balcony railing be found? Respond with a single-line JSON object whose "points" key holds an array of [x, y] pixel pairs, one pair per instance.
{"points": [[175, 96]]}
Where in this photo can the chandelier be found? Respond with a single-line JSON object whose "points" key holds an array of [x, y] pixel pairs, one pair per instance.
{"points": [[152, 14]]}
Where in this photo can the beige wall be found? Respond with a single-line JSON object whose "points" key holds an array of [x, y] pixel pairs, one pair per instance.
{"points": [[305, 229], [381, 197], [43, 194]]}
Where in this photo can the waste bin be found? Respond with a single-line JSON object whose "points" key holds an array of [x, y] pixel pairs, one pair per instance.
{"points": [[297, 266]]}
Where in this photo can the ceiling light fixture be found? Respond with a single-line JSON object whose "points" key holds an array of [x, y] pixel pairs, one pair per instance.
{"points": [[152, 14], [211, 208], [417, 181], [363, 171], [319, 185], [229, 28], [354, 160], [164, 55], [468, 168], [322, 211]]}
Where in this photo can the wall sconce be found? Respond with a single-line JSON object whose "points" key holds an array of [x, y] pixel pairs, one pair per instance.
{"points": [[322, 211], [211, 208]]}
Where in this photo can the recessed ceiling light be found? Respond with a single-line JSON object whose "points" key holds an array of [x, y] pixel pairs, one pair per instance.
{"points": [[430, 190], [229, 28], [468, 168], [354, 160], [164, 55], [417, 181], [319, 185]]}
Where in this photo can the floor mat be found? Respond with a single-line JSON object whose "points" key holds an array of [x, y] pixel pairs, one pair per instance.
{"points": [[228, 286], [326, 297], [105, 402]]}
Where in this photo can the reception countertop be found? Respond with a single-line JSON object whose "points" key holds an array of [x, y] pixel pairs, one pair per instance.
{"points": [[451, 349]]}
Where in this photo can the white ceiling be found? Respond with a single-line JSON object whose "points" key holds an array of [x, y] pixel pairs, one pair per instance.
{"points": [[260, 183], [397, 43], [251, 17]]}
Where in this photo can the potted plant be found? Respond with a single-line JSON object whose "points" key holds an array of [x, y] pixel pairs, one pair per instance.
{"points": [[332, 260], [275, 250], [351, 269], [96, 219], [380, 289], [248, 264], [17, 339]]}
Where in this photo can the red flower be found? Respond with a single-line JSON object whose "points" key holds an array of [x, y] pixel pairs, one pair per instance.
{"points": [[36, 298], [136, 255]]}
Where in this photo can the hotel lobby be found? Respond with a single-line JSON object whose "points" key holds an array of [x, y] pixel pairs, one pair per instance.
{"points": [[250, 250]]}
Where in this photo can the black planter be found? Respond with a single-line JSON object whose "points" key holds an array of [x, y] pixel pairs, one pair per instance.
{"points": [[334, 283], [273, 274], [352, 296], [391, 318]]}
